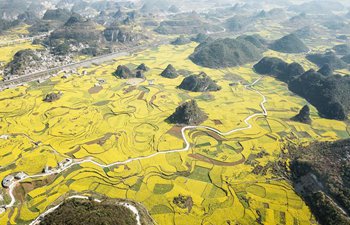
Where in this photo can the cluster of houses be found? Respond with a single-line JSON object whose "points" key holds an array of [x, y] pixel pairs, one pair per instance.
{"points": [[46, 61], [10, 179]]}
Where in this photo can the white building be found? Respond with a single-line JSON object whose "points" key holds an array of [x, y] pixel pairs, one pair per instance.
{"points": [[7, 181], [20, 175]]}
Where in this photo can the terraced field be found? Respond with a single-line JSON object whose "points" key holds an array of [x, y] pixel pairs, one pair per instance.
{"points": [[219, 180]]}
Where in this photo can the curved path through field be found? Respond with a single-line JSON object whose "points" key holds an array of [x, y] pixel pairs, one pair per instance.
{"points": [[186, 148]]}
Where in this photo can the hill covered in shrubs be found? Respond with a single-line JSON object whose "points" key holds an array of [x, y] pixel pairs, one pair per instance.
{"points": [[227, 52]]}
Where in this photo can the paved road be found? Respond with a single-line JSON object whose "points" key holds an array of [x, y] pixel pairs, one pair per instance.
{"points": [[84, 63]]}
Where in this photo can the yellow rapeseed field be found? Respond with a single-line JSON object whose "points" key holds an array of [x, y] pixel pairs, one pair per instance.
{"points": [[224, 178]]}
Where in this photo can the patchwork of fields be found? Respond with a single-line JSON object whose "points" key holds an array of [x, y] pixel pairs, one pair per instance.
{"points": [[220, 180]]}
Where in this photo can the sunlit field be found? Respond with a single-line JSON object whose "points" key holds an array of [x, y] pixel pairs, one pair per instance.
{"points": [[226, 179]]}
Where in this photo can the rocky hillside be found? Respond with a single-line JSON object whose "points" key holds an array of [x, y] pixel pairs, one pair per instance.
{"points": [[76, 30], [199, 83], [79, 211], [303, 116], [182, 40], [186, 23], [124, 72], [170, 72], [342, 49], [51, 97], [121, 35], [278, 68], [57, 14], [327, 58], [227, 52], [326, 70], [330, 95], [200, 38], [21, 61], [188, 114], [346, 59], [321, 174], [289, 44]]}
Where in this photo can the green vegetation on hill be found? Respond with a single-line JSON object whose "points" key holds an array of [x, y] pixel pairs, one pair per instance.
{"points": [[169, 72], [326, 70], [226, 52], [187, 23], [51, 97], [278, 68], [21, 60], [124, 72], [182, 40], [199, 83], [77, 29], [346, 59], [303, 116], [57, 14], [321, 173], [330, 95], [200, 38], [87, 212], [305, 32], [237, 23], [255, 39], [188, 113], [6, 25], [289, 44], [327, 58], [120, 35], [342, 49]]}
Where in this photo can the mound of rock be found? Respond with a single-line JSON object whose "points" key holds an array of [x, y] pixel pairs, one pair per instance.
{"points": [[326, 70], [305, 32], [319, 172], [22, 60], [199, 83], [51, 97], [139, 74], [278, 68], [328, 58], [120, 35], [200, 38], [342, 49], [238, 23], [222, 53], [255, 39], [142, 67], [303, 116], [186, 23], [169, 72], [346, 59], [123, 72], [174, 9], [76, 30], [329, 94], [188, 114], [289, 44], [182, 40], [57, 14], [79, 211]]}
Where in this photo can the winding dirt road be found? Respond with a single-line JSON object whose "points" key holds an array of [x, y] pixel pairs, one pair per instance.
{"points": [[186, 148]]}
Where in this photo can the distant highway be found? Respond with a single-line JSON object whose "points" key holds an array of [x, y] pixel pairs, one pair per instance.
{"points": [[19, 80]]}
